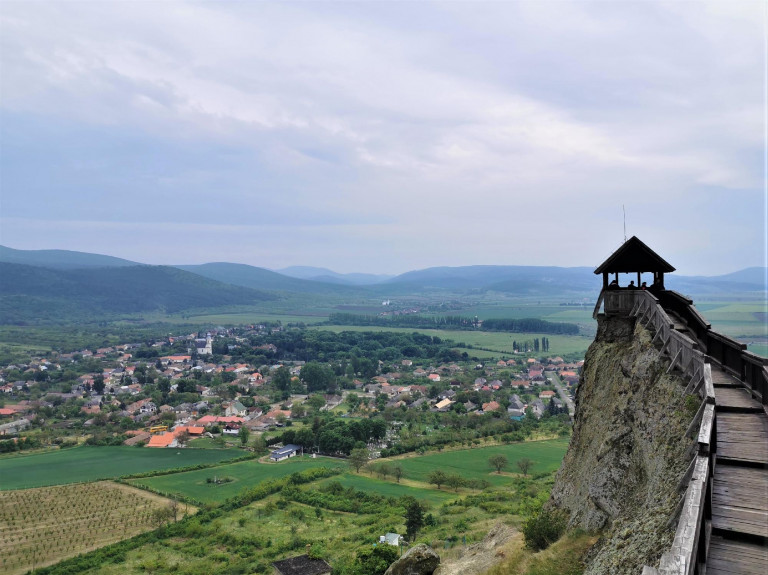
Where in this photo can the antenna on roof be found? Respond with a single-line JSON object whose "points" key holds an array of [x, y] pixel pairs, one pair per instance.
{"points": [[625, 222]]}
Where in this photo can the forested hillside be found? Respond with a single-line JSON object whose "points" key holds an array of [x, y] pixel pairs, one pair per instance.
{"points": [[31, 294]]}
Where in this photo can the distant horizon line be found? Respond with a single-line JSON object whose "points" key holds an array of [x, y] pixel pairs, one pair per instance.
{"points": [[325, 268]]}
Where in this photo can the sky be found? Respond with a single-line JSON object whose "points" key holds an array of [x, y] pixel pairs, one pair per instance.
{"points": [[383, 137]]}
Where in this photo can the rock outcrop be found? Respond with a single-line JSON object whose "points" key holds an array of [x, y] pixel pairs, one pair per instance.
{"points": [[479, 557], [419, 560], [619, 476]]}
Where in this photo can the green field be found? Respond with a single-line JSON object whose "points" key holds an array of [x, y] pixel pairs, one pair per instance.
{"points": [[240, 318], [390, 488], [473, 463], [499, 342], [81, 464], [741, 319], [244, 474]]}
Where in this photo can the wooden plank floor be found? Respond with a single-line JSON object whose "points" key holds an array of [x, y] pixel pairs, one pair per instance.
{"points": [[728, 557], [740, 500], [742, 437], [736, 399], [721, 378], [739, 486]]}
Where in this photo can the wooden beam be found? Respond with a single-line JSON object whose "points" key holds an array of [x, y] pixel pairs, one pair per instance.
{"points": [[696, 418], [705, 430], [674, 361]]}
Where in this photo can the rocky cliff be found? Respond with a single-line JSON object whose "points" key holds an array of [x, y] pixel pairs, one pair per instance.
{"points": [[627, 453]]}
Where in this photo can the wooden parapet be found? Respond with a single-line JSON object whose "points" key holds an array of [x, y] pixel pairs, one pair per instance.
{"points": [[682, 558]]}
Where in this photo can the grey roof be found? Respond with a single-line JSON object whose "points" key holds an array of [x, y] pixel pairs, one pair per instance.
{"points": [[302, 565], [634, 256], [290, 448]]}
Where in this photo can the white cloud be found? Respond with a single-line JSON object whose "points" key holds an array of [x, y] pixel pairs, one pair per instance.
{"points": [[421, 116]]}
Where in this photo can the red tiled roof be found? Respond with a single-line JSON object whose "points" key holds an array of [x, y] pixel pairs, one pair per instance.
{"points": [[163, 440]]}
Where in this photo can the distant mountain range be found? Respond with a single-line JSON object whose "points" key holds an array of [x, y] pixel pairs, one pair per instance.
{"points": [[37, 284], [328, 276], [261, 278]]}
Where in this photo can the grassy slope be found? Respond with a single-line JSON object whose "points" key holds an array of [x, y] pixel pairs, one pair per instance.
{"points": [[473, 463], [245, 474], [90, 463]]}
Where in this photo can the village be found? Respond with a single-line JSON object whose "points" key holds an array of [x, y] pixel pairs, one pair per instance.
{"points": [[178, 390]]}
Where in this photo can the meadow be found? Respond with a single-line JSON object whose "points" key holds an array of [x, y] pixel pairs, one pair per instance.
{"points": [[45, 525], [473, 463], [194, 484], [80, 464], [367, 483], [469, 463]]}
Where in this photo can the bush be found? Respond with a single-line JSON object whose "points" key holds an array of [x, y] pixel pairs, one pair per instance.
{"points": [[542, 529]]}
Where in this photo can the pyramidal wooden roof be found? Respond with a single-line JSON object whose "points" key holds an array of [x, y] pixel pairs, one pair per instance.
{"points": [[634, 256]]}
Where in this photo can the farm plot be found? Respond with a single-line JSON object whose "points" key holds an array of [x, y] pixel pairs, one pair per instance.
{"points": [[216, 484], [45, 525], [91, 463]]}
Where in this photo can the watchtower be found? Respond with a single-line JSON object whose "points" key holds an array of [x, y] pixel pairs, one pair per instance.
{"points": [[634, 257]]}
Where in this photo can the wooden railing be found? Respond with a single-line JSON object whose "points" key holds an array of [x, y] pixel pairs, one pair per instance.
{"points": [[730, 354]]}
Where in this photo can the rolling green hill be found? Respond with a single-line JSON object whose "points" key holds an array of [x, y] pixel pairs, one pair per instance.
{"points": [[61, 259], [260, 278], [31, 294]]}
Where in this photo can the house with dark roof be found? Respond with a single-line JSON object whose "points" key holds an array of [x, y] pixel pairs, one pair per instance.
{"points": [[289, 450], [302, 565]]}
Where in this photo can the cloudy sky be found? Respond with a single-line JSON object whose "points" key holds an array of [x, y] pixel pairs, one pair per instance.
{"points": [[385, 136]]}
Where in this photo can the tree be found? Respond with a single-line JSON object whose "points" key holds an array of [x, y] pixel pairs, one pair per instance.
{"points": [[315, 401], [414, 517], [282, 379], [164, 384], [397, 471], [162, 515], [98, 384], [376, 560], [542, 529], [498, 462], [454, 481], [305, 437], [243, 434], [317, 377], [183, 438], [383, 470], [358, 458], [524, 465], [353, 400], [438, 477]]}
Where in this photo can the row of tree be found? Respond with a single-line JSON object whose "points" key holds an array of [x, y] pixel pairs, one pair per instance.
{"points": [[524, 325]]}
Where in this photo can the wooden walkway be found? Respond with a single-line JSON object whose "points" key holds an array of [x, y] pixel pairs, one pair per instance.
{"points": [[739, 541]]}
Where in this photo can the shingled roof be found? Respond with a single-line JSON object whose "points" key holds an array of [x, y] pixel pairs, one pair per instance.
{"points": [[302, 565], [634, 256]]}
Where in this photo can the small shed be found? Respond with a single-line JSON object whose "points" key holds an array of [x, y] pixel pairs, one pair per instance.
{"points": [[391, 539], [634, 257], [289, 450], [302, 565]]}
